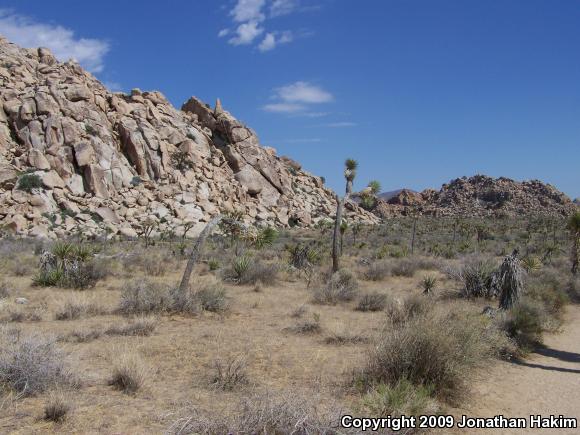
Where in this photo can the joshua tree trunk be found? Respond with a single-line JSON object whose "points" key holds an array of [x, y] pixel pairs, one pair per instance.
{"points": [[336, 236], [511, 281], [196, 253], [413, 237], [575, 255]]}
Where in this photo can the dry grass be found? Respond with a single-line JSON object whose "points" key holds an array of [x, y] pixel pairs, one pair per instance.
{"points": [[129, 372], [341, 287], [372, 302], [142, 326], [57, 407], [230, 373]]}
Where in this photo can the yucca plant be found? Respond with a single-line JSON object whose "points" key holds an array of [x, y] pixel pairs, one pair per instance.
{"points": [[266, 237], [428, 284], [241, 266], [531, 263]]}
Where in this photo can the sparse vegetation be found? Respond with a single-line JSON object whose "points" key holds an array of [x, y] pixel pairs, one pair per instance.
{"points": [[28, 182]]}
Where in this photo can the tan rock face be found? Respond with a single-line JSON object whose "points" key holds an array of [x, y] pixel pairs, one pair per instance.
{"points": [[130, 157], [480, 196]]}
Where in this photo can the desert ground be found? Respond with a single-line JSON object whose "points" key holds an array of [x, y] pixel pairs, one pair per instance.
{"points": [[267, 340]]}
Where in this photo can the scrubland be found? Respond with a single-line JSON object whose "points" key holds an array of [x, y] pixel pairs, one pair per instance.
{"points": [[96, 338]]}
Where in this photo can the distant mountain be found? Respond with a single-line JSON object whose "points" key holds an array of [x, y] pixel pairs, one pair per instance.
{"points": [[479, 195]]}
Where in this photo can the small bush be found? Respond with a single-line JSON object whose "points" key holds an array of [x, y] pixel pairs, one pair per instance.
{"points": [[437, 349], [230, 373], [306, 326], [32, 364], [342, 287], [266, 274], [428, 284], [372, 302], [479, 279], [129, 373], [24, 315], [81, 336], [377, 271], [399, 312], [56, 408], [524, 324], [212, 298], [144, 297], [27, 182], [341, 338], [141, 326], [403, 398]]}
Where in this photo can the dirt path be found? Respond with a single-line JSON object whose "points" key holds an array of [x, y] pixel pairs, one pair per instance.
{"points": [[548, 382]]}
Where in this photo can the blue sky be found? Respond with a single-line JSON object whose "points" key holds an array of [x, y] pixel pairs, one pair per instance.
{"points": [[418, 91]]}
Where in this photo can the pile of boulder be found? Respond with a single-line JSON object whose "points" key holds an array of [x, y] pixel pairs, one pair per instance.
{"points": [[75, 157]]}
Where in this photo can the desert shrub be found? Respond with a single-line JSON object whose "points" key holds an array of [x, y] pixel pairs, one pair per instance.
{"points": [[439, 350], [259, 272], [263, 413], [341, 287], [142, 326], [401, 311], [213, 264], [144, 297], [230, 373], [372, 302], [4, 290], [129, 373], [23, 315], [402, 398], [76, 308], [266, 237], [57, 407], [303, 256], [524, 324], [212, 297], [32, 364], [377, 271], [405, 267], [81, 336], [344, 337], [27, 182], [306, 326]]}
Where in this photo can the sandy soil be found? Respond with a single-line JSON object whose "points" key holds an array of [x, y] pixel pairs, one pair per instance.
{"points": [[547, 382]]}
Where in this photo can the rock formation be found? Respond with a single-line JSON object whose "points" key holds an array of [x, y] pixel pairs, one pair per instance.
{"points": [[107, 162], [480, 196]]}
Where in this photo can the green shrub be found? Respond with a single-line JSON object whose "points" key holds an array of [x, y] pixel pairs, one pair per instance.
{"points": [[27, 182], [403, 398], [524, 324]]}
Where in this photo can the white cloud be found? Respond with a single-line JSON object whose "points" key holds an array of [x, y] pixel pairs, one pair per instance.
{"points": [[246, 33], [340, 124], [250, 17], [284, 108], [268, 43], [248, 10], [296, 98], [61, 41], [303, 92], [282, 7]]}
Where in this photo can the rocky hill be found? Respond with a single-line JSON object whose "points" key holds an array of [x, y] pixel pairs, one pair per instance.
{"points": [[77, 157], [480, 196]]}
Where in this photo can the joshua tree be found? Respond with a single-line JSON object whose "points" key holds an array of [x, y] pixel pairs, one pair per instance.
{"points": [[349, 175], [511, 281], [574, 228], [375, 187], [369, 195]]}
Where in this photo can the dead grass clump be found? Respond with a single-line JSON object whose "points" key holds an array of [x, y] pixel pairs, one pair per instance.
{"points": [[154, 264], [32, 364], [57, 407], [372, 302], [342, 287], [264, 413], [129, 373], [306, 326], [344, 337], [19, 315], [142, 326], [81, 336], [377, 271], [401, 311], [212, 297], [230, 373], [144, 297], [438, 349]]}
